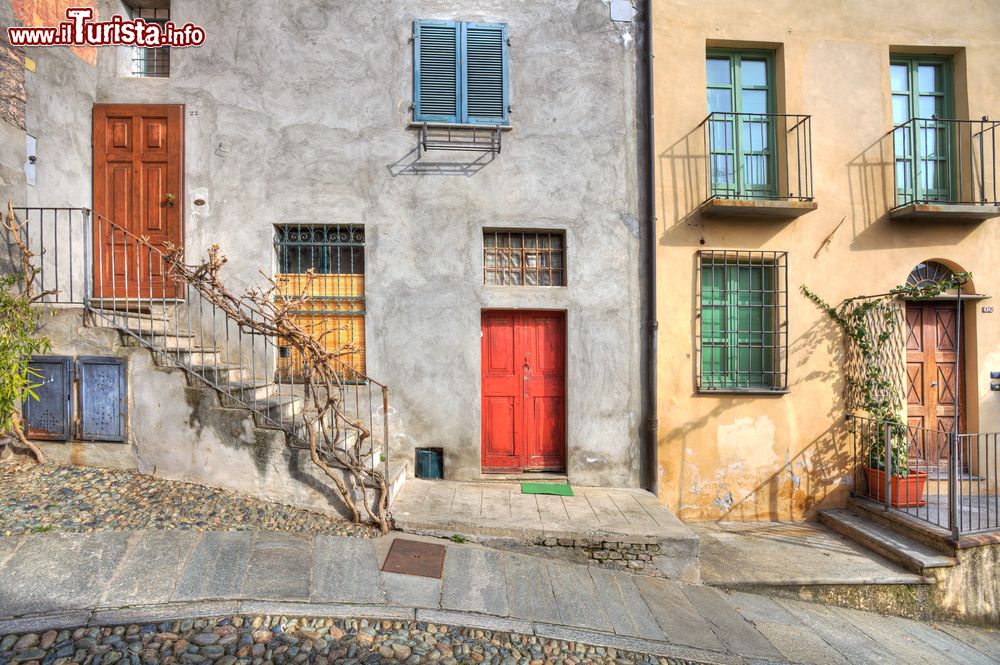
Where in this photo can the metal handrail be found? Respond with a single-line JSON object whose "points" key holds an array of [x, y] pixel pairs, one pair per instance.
{"points": [[964, 158], [175, 320], [779, 148], [943, 479], [56, 238]]}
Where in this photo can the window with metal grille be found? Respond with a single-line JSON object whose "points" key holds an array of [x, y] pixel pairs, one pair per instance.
{"points": [[460, 72], [743, 321], [335, 309], [519, 258], [151, 62]]}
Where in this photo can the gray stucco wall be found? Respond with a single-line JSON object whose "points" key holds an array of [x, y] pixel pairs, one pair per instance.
{"points": [[299, 113]]}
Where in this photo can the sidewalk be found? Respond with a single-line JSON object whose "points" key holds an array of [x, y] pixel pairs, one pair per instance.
{"points": [[56, 580]]}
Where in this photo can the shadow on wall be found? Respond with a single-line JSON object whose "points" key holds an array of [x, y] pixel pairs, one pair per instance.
{"points": [[818, 475], [872, 190], [417, 162], [683, 183]]}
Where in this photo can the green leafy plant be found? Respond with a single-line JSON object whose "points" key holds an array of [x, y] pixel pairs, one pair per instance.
{"points": [[19, 339], [458, 538], [874, 386]]}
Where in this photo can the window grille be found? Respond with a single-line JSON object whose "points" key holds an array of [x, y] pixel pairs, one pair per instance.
{"points": [[743, 321], [151, 62], [335, 308], [514, 258]]}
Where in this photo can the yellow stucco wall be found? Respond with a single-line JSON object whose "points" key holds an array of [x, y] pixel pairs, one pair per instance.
{"points": [[785, 456]]}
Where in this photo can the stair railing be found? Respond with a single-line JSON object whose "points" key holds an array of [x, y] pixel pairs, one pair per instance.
{"points": [[134, 291]]}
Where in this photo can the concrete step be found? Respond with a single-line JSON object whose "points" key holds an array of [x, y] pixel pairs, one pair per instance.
{"points": [[219, 372], [192, 355], [280, 408], [395, 479], [908, 552], [252, 389]]}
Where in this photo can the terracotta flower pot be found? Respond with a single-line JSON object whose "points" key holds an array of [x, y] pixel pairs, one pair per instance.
{"points": [[905, 492]]}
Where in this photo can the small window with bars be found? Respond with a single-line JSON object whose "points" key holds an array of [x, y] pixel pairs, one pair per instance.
{"points": [[151, 62], [519, 258], [743, 321], [335, 310]]}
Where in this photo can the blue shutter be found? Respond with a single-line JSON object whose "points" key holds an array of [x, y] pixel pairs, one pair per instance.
{"points": [[436, 75], [485, 94], [103, 399], [49, 417]]}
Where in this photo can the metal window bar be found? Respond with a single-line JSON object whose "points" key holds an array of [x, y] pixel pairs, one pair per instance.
{"points": [[946, 480], [54, 236], [524, 258], [946, 161], [151, 62], [484, 138], [758, 156], [742, 313], [335, 255]]}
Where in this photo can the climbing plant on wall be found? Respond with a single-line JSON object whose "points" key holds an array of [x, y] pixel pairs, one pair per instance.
{"points": [[873, 326], [19, 339]]}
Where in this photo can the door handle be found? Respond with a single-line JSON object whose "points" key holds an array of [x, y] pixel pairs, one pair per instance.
{"points": [[933, 384], [170, 200]]}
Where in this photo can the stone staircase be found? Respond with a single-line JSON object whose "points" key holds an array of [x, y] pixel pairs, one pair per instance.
{"points": [[226, 392]]}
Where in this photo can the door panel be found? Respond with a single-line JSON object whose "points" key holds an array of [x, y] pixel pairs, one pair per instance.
{"points": [[935, 390], [138, 185], [524, 405]]}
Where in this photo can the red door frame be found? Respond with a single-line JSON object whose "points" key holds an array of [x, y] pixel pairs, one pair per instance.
{"points": [[523, 379]]}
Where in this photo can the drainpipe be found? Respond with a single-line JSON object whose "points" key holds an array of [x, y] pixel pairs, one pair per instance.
{"points": [[649, 315]]}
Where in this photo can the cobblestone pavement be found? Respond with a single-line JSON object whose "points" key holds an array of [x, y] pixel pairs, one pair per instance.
{"points": [[64, 498], [257, 640]]}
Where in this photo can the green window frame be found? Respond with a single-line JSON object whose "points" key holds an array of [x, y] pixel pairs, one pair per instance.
{"points": [[921, 88], [743, 315], [740, 91]]}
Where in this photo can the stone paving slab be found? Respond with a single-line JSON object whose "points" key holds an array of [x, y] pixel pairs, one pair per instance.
{"points": [[150, 570], [59, 572], [529, 590], [280, 567], [61, 581], [345, 570], [216, 568], [577, 598], [475, 581]]}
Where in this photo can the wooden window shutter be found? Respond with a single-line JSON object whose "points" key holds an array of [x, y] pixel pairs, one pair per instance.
{"points": [[485, 85], [436, 71]]}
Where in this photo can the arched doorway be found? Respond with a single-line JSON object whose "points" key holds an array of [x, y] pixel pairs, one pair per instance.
{"points": [[935, 366]]}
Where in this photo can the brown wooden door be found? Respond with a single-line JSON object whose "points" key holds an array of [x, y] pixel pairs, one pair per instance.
{"points": [[524, 391], [139, 186], [935, 391]]}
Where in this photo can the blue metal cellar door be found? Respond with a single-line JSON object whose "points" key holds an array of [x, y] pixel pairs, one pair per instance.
{"points": [[103, 399], [49, 418]]}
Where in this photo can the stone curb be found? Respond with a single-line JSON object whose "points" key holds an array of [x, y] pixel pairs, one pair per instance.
{"points": [[104, 616]]}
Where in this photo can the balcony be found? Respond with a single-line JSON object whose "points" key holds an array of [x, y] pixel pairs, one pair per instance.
{"points": [[759, 164], [945, 170]]}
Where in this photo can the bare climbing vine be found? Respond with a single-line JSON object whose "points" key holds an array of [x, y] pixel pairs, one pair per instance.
{"points": [[271, 312], [872, 383], [19, 338]]}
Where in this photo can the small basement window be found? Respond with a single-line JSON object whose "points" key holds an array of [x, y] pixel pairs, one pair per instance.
{"points": [[151, 62], [524, 258], [743, 317]]}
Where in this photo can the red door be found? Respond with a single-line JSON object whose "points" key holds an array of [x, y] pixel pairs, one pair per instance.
{"points": [[138, 185], [524, 391]]}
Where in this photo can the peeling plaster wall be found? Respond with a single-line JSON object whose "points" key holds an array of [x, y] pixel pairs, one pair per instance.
{"points": [[298, 113], [786, 456]]}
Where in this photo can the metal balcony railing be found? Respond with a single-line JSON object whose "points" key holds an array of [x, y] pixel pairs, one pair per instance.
{"points": [[950, 162], [944, 479], [758, 156]]}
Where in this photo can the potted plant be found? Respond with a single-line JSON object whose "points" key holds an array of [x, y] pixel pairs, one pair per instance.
{"points": [[906, 487]]}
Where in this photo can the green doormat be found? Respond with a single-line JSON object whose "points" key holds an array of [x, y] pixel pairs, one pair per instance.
{"points": [[546, 488]]}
